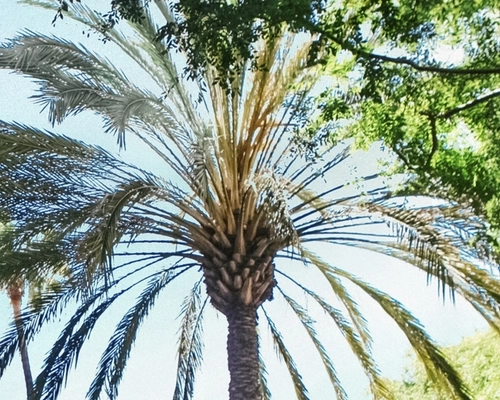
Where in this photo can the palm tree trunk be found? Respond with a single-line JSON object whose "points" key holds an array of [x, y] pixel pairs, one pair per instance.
{"points": [[243, 356], [15, 292]]}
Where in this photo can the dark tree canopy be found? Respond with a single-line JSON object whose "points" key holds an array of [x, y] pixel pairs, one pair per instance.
{"points": [[222, 32]]}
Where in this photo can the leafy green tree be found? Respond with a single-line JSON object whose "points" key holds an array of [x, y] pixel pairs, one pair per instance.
{"points": [[233, 197], [222, 32], [475, 358], [435, 105]]}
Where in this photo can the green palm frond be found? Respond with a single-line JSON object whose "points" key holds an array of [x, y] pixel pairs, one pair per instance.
{"points": [[66, 349], [73, 79], [308, 324], [360, 350], [356, 316], [282, 351], [114, 358], [35, 261], [37, 54], [441, 248], [266, 392], [443, 227], [51, 302], [66, 175], [190, 344], [476, 284], [112, 223], [49, 383], [435, 363], [43, 310], [438, 368]]}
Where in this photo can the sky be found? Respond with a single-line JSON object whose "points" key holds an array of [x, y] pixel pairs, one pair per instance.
{"points": [[150, 373]]}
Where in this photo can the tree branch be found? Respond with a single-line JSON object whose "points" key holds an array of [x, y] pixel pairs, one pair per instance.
{"points": [[427, 68], [469, 104], [403, 60], [435, 142], [402, 157], [451, 112]]}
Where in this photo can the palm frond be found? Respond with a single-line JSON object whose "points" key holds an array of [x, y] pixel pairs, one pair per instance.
{"points": [[43, 309], [161, 58], [266, 392], [425, 233], [84, 186], [66, 175], [284, 354], [111, 224], [34, 260], [473, 283], [138, 52], [51, 302], [308, 324], [308, 175], [343, 295], [442, 248], [435, 363], [190, 344], [72, 79], [270, 85], [38, 55], [362, 352], [437, 367], [114, 359], [64, 353]]}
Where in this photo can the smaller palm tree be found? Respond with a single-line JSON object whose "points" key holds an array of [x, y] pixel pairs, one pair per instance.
{"points": [[14, 282], [15, 292]]}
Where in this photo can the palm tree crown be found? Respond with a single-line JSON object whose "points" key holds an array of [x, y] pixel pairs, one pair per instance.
{"points": [[233, 196]]}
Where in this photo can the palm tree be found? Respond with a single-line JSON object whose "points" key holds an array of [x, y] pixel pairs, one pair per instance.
{"points": [[15, 286], [15, 291], [233, 196]]}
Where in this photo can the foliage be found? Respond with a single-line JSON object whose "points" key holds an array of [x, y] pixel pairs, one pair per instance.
{"points": [[475, 358], [233, 196], [391, 78], [430, 95]]}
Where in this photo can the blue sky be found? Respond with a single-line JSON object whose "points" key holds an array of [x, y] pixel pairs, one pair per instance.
{"points": [[150, 375]]}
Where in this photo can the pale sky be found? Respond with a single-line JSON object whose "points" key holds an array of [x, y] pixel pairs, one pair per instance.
{"points": [[150, 373]]}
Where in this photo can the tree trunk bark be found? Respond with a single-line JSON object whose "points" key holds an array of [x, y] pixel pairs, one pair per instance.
{"points": [[243, 353], [15, 294]]}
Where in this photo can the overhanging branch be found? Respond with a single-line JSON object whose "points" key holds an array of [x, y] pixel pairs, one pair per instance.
{"points": [[426, 68], [478, 100], [403, 60]]}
